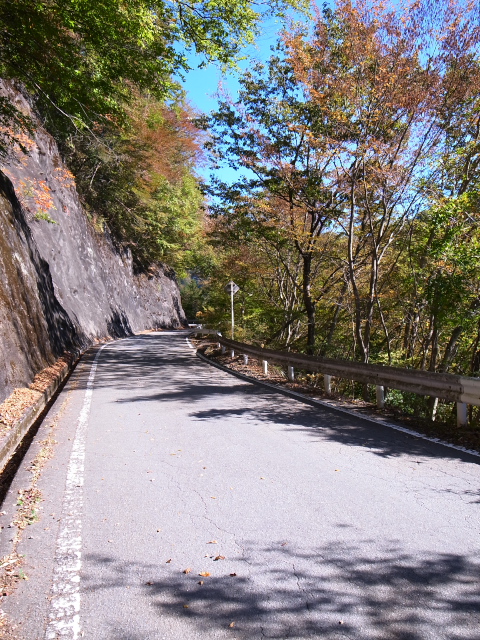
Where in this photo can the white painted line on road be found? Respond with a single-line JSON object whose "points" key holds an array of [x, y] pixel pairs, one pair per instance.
{"points": [[333, 405], [64, 614], [190, 344]]}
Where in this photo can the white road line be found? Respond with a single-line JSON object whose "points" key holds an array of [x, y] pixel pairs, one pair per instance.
{"points": [[64, 614], [189, 343]]}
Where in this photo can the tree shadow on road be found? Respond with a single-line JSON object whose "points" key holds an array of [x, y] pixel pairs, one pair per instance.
{"points": [[336, 591], [160, 372]]}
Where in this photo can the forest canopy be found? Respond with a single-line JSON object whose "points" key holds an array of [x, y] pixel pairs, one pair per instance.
{"points": [[83, 61], [104, 80], [353, 227]]}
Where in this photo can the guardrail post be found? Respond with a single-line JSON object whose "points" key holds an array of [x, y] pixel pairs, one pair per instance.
{"points": [[232, 353], [291, 373], [462, 417], [218, 345], [223, 349], [265, 367], [380, 393], [245, 358], [327, 384]]}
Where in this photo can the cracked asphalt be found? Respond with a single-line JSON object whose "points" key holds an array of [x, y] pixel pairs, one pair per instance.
{"points": [[214, 508]]}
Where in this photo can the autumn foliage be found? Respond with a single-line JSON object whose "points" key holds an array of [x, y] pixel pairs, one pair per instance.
{"points": [[358, 145]]}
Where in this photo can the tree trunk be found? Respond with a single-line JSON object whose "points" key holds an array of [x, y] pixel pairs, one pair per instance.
{"points": [[334, 322], [432, 401], [450, 349], [308, 302]]}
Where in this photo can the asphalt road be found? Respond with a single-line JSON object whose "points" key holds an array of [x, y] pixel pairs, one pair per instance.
{"points": [[306, 523]]}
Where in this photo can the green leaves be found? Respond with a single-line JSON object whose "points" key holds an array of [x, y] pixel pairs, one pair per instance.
{"points": [[81, 59]]}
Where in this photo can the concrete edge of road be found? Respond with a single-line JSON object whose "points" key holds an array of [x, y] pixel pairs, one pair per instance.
{"points": [[334, 406], [14, 438]]}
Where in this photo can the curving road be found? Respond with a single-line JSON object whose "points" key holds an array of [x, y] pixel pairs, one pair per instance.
{"points": [[306, 523]]}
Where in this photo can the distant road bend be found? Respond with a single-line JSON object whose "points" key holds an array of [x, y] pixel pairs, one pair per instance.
{"points": [[183, 503]]}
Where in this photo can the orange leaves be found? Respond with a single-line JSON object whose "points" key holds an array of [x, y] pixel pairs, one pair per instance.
{"points": [[64, 177], [34, 195], [167, 138]]}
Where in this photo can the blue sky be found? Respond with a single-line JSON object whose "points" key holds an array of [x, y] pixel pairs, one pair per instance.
{"points": [[201, 85]]}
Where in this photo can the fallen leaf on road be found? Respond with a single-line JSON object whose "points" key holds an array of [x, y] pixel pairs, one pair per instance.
{"points": [[188, 570], [231, 625], [200, 582], [149, 582], [168, 561], [204, 574], [219, 558], [232, 575], [185, 606], [213, 497], [212, 542]]}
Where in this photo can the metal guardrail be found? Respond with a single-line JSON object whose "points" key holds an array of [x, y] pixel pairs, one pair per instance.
{"points": [[463, 390]]}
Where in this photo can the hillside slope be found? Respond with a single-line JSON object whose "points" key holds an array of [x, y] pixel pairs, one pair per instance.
{"points": [[63, 284]]}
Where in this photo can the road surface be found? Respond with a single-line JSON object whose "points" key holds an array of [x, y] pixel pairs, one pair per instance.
{"points": [[183, 503]]}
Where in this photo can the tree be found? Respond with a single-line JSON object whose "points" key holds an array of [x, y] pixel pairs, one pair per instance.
{"points": [[383, 85], [80, 60], [140, 181], [287, 183]]}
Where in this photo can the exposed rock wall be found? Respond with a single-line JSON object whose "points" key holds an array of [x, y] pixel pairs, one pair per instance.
{"points": [[63, 285]]}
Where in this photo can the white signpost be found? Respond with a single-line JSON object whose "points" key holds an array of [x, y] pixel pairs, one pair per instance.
{"points": [[232, 289]]}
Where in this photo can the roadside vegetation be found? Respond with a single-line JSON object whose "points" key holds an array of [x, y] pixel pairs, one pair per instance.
{"points": [[353, 227]]}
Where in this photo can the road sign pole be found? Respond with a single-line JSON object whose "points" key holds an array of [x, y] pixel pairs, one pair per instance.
{"points": [[233, 317], [232, 289]]}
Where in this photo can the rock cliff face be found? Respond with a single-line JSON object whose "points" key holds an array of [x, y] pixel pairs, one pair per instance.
{"points": [[63, 285]]}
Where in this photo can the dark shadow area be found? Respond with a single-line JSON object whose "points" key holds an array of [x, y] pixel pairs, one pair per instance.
{"points": [[118, 325], [335, 591], [156, 368]]}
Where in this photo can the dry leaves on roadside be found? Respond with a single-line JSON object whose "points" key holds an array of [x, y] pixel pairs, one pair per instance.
{"points": [[204, 574]]}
